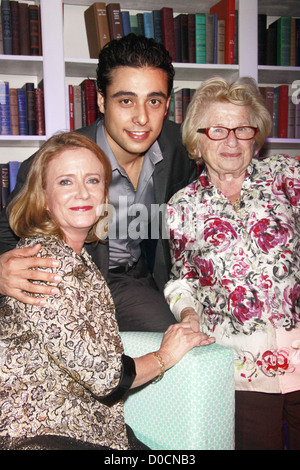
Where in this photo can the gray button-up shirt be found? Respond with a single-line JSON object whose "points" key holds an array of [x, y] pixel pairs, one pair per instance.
{"points": [[132, 209]]}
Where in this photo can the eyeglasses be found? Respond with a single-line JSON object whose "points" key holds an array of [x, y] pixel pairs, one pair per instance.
{"points": [[220, 133]]}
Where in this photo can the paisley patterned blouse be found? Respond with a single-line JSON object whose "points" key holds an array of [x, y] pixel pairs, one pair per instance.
{"points": [[239, 267], [58, 359]]}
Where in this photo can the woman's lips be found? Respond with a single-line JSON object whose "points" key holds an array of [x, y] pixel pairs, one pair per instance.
{"points": [[81, 208]]}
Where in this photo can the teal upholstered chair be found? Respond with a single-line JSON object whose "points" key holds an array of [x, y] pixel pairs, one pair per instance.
{"points": [[192, 407]]}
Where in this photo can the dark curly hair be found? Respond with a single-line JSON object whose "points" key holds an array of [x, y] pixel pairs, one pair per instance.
{"points": [[133, 51]]}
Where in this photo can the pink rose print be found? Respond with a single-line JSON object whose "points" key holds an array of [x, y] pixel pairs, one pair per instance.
{"points": [[287, 188], [269, 234], [274, 362], [219, 233], [243, 307], [205, 271]]}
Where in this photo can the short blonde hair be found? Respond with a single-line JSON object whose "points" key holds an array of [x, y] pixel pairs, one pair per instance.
{"points": [[28, 214], [242, 92]]}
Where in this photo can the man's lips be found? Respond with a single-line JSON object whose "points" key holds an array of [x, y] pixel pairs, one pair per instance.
{"points": [[81, 208], [138, 135]]}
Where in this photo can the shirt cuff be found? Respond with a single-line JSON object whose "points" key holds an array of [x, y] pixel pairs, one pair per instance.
{"points": [[128, 375]]}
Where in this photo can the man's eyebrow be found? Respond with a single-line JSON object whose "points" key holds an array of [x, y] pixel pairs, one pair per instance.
{"points": [[131, 93]]}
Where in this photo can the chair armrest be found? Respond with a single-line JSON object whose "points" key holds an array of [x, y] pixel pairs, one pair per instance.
{"points": [[192, 407]]}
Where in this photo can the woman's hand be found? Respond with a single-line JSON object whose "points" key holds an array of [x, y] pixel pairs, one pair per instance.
{"points": [[16, 270], [176, 342]]}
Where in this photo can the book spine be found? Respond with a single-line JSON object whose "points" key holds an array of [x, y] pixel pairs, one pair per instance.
{"points": [[283, 111], [168, 33], [21, 94], [157, 32], [148, 25], [114, 20], [39, 111], [210, 37], [6, 26], [297, 121], [15, 25], [5, 124], [126, 22], [4, 184], [30, 108], [291, 119], [14, 115], [200, 38], [24, 29], [178, 106], [71, 107], [284, 41], [34, 29], [13, 168], [191, 37], [221, 42], [297, 47], [77, 106]]}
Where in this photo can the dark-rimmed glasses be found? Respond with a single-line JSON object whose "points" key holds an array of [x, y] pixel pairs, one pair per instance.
{"points": [[220, 132]]}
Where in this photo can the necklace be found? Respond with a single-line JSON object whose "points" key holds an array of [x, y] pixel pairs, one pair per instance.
{"points": [[237, 204]]}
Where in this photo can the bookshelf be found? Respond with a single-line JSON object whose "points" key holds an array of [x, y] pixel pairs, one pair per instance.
{"points": [[66, 61]]}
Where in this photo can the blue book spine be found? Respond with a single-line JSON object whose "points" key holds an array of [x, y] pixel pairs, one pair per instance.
{"points": [[6, 27], [126, 22], [21, 93], [157, 33], [148, 25], [5, 109], [13, 168]]}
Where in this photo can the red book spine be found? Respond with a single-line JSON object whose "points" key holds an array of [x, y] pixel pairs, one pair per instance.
{"points": [[168, 31], [283, 111], [225, 10]]}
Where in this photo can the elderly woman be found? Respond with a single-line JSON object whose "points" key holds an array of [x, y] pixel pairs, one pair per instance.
{"points": [[235, 239], [63, 371]]}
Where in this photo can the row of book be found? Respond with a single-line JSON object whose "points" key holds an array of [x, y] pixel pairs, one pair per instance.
{"points": [[285, 111], [82, 104], [20, 28], [194, 38], [8, 178], [22, 109], [279, 43]]}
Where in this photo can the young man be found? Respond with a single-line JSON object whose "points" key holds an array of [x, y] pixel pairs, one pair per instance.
{"points": [[135, 79]]}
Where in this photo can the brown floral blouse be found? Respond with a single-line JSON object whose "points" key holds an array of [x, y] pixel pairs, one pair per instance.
{"points": [[58, 360]]}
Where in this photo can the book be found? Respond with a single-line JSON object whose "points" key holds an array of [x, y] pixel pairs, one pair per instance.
{"points": [[168, 32], [21, 95], [24, 29], [178, 106], [13, 168], [186, 98], [283, 111], [148, 25], [291, 119], [6, 26], [271, 46], [200, 38], [191, 37], [268, 96], [30, 108], [1, 36], [293, 43], [140, 24], [70, 92], [77, 107], [210, 32], [89, 100], [14, 115], [4, 184], [97, 30], [39, 107], [15, 25], [126, 22], [5, 126], [181, 38], [225, 9], [283, 30], [221, 42], [114, 17], [34, 29], [157, 33]]}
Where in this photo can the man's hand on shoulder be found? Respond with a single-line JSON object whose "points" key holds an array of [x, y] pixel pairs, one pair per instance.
{"points": [[16, 273]]}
